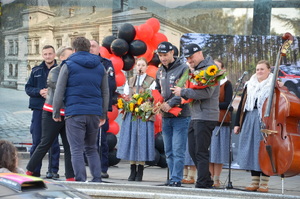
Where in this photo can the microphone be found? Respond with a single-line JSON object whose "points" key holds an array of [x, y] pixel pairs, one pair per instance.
{"points": [[242, 77], [140, 71]]}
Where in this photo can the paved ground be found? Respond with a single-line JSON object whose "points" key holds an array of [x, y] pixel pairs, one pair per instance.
{"points": [[14, 126]]}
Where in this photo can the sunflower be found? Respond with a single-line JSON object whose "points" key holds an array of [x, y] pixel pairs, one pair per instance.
{"points": [[120, 103], [135, 96], [140, 100], [131, 106], [212, 70], [203, 81], [201, 74]]}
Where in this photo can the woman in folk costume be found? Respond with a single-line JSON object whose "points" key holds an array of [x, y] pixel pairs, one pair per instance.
{"points": [[248, 120], [219, 148], [136, 141]]}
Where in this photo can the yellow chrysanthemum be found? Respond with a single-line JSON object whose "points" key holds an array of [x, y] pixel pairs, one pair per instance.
{"points": [[131, 106], [136, 109], [120, 103], [212, 70], [201, 74], [203, 81], [140, 100], [135, 96]]}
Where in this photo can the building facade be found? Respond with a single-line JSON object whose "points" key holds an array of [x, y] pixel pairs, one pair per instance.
{"points": [[42, 27]]}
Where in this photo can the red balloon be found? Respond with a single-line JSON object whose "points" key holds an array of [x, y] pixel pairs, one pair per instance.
{"points": [[151, 71], [158, 38], [154, 23], [120, 78], [117, 63], [104, 52], [157, 123], [113, 127], [145, 32], [113, 114]]}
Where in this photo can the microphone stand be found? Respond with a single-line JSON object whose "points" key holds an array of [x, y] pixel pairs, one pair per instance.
{"points": [[229, 108]]}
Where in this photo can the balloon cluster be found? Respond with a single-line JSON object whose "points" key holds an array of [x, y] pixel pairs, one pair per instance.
{"points": [[133, 42], [160, 157]]}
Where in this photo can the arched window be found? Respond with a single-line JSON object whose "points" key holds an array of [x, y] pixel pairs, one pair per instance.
{"points": [[16, 70], [10, 70]]}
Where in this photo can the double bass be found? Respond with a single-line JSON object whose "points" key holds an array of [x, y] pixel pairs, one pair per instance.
{"points": [[279, 152]]}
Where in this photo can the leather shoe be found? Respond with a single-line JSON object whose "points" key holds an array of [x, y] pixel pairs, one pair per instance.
{"points": [[185, 181], [175, 184], [252, 187], [263, 188], [104, 175]]}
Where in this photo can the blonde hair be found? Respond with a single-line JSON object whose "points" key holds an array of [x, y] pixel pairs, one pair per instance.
{"points": [[62, 49], [264, 62], [8, 156], [141, 58]]}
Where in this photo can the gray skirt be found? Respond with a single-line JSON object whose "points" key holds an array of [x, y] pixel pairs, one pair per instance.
{"points": [[219, 147], [136, 141], [250, 137]]}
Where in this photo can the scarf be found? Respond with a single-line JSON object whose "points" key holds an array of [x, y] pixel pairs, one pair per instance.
{"points": [[223, 81], [257, 91]]}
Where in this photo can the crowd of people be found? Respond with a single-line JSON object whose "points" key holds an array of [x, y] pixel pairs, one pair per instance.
{"points": [[72, 98]]}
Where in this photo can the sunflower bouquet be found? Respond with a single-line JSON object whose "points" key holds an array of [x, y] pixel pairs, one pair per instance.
{"points": [[141, 106], [204, 78]]}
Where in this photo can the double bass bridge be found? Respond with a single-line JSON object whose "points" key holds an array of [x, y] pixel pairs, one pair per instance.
{"points": [[268, 131]]}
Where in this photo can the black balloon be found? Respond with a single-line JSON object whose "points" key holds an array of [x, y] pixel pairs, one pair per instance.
{"points": [[155, 60], [159, 143], [119, 47], [112, 158], [137, 47], [162, 161], [106, 42], [111, 141], [156, 159], [127, 32], [175, 51], [129, 61]]}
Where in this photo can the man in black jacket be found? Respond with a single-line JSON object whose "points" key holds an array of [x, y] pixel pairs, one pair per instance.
{"points": [[37, 91]]}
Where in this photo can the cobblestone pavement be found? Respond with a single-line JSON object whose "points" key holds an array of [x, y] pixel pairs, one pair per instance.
{"points": [[15, 116]]}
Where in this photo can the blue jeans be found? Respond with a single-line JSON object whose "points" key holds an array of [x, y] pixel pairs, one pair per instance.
{"points": [[174, 131]]}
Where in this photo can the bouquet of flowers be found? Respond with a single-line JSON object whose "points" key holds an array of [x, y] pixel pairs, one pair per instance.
{"points": [[201, 78], [141, 105], [209, 77]]}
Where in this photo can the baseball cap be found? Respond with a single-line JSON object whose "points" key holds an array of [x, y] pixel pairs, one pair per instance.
{"points": [[190, 49], [164, 47]]}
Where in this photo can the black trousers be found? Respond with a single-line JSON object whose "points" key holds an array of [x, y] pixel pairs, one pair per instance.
{"points": [[50, 131], [199, 138]]}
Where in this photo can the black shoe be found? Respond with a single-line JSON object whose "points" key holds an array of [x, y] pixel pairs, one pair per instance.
{"points": [[104, 175], [175, 184], [139, 174], [132, 172], [49, 175], [55, 176]]}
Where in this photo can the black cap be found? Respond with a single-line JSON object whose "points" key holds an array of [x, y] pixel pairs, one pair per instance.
{"points": [[190, 49], [164, 47]]}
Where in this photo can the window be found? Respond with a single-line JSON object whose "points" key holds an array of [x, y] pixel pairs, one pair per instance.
{"points": [[16, 47], [10, 70], [29, 46], [58, 43], [16, 70], [11, 47], [37, 46]]}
